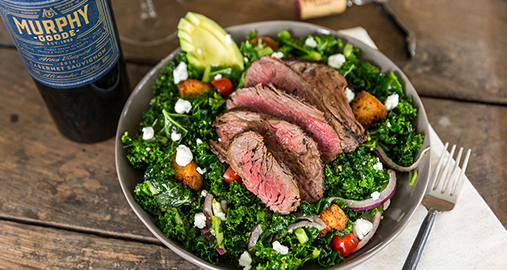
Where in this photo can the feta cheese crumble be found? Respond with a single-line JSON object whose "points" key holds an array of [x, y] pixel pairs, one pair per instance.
{"points": [[361, 228], [175, 136], [245, 59], [218, 77], [203, 193], [228, 39], [349, 94], [280, 248], [310, 42], [378, 166], [180, 73], [200, 170], [148, 133], [277, 54], [375, 195], [198, 141], [388, 124], [245, 260], [183, 155], [392, 102], [182, 106], [336, 60], [200, 220]]}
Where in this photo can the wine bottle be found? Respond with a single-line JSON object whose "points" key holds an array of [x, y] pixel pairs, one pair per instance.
{"points": [[71, 49]]}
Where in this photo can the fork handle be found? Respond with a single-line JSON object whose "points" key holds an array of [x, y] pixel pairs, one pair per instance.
{"points": [[417, 248]]}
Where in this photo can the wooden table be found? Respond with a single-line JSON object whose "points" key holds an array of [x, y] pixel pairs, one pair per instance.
{"points": [[61, 206]]}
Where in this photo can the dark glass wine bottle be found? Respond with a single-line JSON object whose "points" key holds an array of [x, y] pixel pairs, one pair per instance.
{"points": [[71, 49]]}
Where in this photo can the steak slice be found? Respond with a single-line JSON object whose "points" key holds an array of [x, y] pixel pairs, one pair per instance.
{"points": [[262, 174], [287, 142], [330, 84], [317, 84], [274, 102]]}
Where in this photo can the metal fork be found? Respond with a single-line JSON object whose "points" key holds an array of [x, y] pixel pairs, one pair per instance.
{"points": [[441, 196]]}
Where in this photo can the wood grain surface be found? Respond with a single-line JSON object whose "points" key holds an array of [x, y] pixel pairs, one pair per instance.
{"points": [[61, 206]]}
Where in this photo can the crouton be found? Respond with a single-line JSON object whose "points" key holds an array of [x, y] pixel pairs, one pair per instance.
{"points": [[266, 40], [191, 86], [188, 174], [334, 218], [368, 109]]}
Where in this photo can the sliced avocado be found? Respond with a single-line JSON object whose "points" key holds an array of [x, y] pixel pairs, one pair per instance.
{"points": [[206, 43]]}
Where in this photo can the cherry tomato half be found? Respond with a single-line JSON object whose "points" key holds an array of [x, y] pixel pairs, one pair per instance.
{"points": [[230, 175], [224, 86], [346, 244]]}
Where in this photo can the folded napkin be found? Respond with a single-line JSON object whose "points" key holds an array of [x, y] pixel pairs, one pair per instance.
{"points": [[468, 237]]}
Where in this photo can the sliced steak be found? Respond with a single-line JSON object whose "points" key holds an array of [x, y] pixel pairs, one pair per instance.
{"points": [[330, 84], [262, 174], [287, 142], [272, 101], [315, 83]]}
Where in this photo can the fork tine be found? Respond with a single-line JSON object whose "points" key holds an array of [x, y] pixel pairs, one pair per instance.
{"points": [[443, 174], [434, 179], [456, 189], [452, 174]]}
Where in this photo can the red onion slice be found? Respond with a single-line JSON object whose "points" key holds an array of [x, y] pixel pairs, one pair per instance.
{"points": [[391, 164], [369, 235], [206, 232], [372, 203], [221, 251], [208, 205], [313, 219], [306, 223], [254, 236]]}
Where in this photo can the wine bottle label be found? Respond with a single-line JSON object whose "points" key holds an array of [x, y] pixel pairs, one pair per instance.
{"points": [[63, 43]]}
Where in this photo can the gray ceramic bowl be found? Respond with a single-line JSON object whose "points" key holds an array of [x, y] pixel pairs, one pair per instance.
{"points": [[396, 217]]}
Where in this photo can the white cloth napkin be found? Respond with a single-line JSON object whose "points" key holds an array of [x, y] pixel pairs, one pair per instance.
{"points": [[468, 237]]}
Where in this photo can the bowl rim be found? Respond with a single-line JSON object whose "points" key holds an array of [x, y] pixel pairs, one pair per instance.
{"points": [[377, 57]]}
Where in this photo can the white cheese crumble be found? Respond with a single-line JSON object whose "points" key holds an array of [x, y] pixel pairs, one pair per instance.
{"points": [[391, 102], [203, 193], [277, 54], [175, 136], [336, 60], [200, 170], [375, 195], [200, 220], [245, 59], [310, 42], [388, 124], [349, 94], [245, 260], [228, 39], [180, 73], [386, 204], [199, 51], [148, 133], [198, 141], [280, 248], [183, 155], [182, 106], [378, 166], [218, 77], [361, 228]]}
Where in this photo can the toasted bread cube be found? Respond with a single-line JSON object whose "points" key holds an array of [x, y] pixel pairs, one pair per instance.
{"points": [[188, 174], [368, 109], [334, 218], [191, 86], [266, 40]]}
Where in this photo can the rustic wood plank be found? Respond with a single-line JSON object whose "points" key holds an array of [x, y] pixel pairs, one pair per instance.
{"points": [[482, 128], [33, 247], [49, 178], [460, 48]]}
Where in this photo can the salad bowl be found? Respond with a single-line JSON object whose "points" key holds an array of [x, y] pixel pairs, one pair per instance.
{"points": [[403, 203]]}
